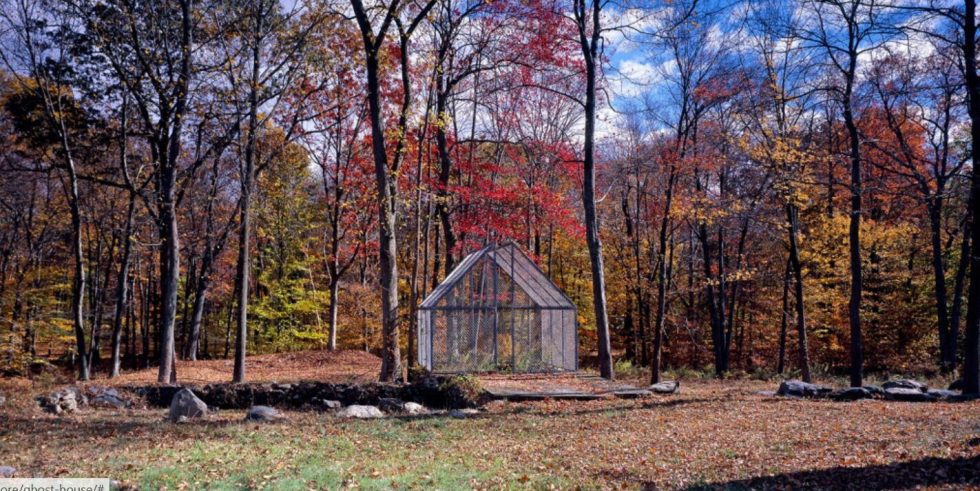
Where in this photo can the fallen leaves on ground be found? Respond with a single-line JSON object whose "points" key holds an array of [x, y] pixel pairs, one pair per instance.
{"points": [[324, 366], [714, 433]]}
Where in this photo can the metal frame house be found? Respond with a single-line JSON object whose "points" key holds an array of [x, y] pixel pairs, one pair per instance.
{"points": [[497, 311]]}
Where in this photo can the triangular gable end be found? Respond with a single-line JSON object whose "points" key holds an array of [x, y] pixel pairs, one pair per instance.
{"points": [[517, 265], [530, 278], [447, 284]]}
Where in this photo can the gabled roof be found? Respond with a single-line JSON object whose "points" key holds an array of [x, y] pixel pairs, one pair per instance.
{"points": [[513, 263]]}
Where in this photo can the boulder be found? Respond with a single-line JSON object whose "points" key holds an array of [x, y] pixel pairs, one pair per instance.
{"points": [[109, 402], [106, 397], [878, 391], [96, 390], [799, 388], [391, 405], [263, 413], [80, 396], [905, 384], [766, 393], [463, 413], [907, 394], [360, 412], [956, 384], [943, 393], [414, 408], [7, 472], [3, 400], [186, 406], [66, 400], [330, 405], [852, 394], [668, 387]]}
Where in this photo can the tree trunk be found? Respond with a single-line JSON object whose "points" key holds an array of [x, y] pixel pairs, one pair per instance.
{"points": [[122, 284], [334, 291], [333, 264], [792, 213], [247, 187], [971, 361], [147, 300], [169, 280], [718, 341], [95, 349], [78, 282], [947, 349], [387, 214], [854, 234], [784, 318], [590, 54], [959, 282], [662, 280], [197, 313], [242, 281], [724, 359], [170, 239], [445, 170]]}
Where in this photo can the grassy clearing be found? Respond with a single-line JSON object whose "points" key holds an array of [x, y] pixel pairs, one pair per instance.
{"points": [[713, 433]]}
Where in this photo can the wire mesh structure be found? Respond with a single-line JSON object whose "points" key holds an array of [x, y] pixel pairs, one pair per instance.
{"points": [[497, 311]]}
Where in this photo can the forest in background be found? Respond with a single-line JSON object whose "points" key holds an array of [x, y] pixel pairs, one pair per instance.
{"points": [[774, 185]]}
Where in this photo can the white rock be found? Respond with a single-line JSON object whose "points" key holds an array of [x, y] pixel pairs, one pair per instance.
{"points": [[360, 412], [414, 408]]}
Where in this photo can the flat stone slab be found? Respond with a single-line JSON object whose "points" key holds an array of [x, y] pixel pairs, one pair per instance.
{"points": [[519, 395], [631, 393], [577, 387], [666, 387]]}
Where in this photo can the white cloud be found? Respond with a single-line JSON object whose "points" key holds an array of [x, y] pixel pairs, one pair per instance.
{"points": [[631, 78]]}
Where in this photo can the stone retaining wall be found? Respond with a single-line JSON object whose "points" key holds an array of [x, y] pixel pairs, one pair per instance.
{"points": [[434, 391]]}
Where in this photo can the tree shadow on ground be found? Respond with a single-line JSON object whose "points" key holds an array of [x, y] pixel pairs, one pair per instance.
{"points": [[120, 426], [932, 471]]}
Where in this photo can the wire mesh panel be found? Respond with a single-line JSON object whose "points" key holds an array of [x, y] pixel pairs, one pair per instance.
{"points": [[462, 340], [497, 311]]}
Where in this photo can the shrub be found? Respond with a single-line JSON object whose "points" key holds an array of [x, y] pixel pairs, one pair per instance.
{"points": [[462, 391], [626, 369]]}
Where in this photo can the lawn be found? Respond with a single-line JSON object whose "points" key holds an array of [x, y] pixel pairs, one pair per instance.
{"points": [[714, 433]]}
